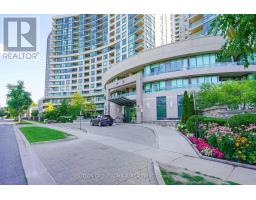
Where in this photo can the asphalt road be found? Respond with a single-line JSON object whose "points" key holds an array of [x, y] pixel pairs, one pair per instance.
{"points": [[11, 169]]}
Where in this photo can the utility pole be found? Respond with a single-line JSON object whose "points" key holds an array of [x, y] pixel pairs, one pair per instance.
{"points": [[80, 119]]}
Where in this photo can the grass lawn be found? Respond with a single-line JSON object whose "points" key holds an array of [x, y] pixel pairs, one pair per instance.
{"points": [[189, 178], [40, 134]]}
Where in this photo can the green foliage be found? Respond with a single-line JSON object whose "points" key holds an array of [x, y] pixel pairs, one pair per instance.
{"points": [[64, 119], [2, 112], [35, 113], [227, 146], [79, 104], [18, 100], [193, 122], [191, 107], [234, 94], [185, 107], [246, 148], [240, 36], [237, 121], [213, 140]]}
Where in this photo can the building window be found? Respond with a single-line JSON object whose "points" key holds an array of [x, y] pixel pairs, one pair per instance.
{"points": [[179, 103], [161, 107]]}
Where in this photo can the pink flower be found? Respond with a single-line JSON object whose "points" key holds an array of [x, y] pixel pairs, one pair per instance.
{"points": [[202, 145], [217, 153]]}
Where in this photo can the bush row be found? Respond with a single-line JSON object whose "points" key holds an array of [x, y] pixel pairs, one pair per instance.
{"points": [[234, 122]]}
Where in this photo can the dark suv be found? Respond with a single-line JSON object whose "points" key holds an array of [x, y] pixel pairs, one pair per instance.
{"points": [[102, 120]]}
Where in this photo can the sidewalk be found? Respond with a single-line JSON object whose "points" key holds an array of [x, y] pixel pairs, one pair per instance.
{"points": [[172, 150]]}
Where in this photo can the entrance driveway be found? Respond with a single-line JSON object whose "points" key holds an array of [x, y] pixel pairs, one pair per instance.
{"points": [[84, 161], [131, 133]]}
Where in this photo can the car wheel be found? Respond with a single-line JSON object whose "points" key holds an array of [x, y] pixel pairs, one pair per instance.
{"points": [[91, 123], [100, 124], [110, 124]]}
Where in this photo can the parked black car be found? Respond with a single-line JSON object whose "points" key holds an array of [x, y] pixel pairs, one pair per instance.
{"points": [[102, 120]]}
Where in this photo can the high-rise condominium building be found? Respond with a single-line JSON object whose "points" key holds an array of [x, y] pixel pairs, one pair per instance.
{"points": [[47, 69], [162, 29], [199, 24], [83, 47], [179, 27]]}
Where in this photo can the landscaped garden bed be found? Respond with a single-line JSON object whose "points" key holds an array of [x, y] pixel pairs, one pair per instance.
{"points": [[232, 139]]}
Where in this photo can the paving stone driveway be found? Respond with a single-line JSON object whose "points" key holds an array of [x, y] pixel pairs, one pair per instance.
{"points": [[11, 170], [86, 162], [131, 133]]}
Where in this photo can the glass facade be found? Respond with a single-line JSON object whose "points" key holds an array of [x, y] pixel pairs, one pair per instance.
{"points": [[199, 61], [179, 83], [84, 46], [161, 107], [179, 103]]}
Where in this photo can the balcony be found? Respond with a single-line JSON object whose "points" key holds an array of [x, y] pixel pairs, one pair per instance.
{"points": [[139, 39], [195, 24], [139, 16], [139, 31], [139, 22], [195, 17], [139, 47]]}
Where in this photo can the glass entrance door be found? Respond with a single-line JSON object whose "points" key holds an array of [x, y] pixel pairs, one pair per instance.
{"points": [[129, 114], [161, 107]]}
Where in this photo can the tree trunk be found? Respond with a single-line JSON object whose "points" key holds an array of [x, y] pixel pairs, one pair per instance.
{"points": [[19, 118]]}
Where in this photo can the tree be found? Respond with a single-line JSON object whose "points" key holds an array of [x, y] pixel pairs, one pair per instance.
{"points": [[35, 113], [78, 103], [64, 109], [34, 104], [2, 112], [240, 36], [18, 100], [185, 107], [233, 94], [49, 107], [191, 107]]}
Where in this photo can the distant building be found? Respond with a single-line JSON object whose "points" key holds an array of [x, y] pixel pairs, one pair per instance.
{"points": [[199, 24], [47, 68], [162, 29], [179, 27]]}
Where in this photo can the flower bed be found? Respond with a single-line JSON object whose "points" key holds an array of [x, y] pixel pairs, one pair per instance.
{"points": [[205, 148], [221, 141]]}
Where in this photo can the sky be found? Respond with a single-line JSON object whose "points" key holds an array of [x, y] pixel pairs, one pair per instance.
{"points": [[32, 72]]}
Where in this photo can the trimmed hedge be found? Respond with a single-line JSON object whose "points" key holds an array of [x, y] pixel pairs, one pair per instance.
{"points": [[237, 121], [64, 119], [193, 122]]}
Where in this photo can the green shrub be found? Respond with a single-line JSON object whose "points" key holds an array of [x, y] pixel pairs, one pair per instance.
{"points": [[193, 122], [227, 146], [213, 140], [64, 119], [237, 121]]}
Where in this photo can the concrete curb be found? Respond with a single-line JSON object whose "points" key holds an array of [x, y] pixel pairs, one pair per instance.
{"points": [[234, 164], [157, 173], [36, 173]]}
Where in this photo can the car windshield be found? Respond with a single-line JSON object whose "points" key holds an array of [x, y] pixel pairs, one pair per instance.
{"points": [[107, 116]]}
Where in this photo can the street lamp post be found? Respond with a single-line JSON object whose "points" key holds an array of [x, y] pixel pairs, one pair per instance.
{"points": [[80, 120]]}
